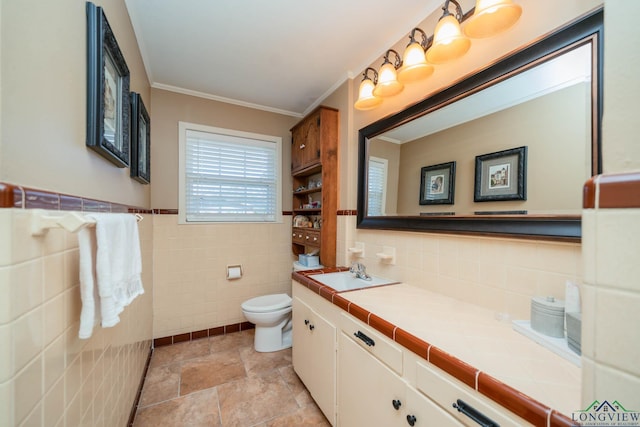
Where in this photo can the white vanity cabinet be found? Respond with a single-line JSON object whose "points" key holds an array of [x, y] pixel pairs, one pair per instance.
{"points": [[371, 390], [314, 348]]}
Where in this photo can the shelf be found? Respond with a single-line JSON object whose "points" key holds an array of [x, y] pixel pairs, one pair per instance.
{"points": [[308, 191], [309, 170], [306, 211]]}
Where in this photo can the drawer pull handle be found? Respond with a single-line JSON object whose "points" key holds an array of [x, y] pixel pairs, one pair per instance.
{"points": [[306, 321], [302, 146], [311, 327], [368, 341], [396, 404], [411, 419], [474, 414]]}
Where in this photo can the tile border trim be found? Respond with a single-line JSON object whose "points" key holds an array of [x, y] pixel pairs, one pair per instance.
{"points": [[203, 333], [15, 196], [506, 396], [612, 191]]}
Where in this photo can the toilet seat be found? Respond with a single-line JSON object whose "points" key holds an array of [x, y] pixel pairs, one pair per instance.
{"points": [[267, 303]]}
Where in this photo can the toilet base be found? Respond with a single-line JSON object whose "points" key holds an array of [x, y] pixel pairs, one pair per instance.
{"points": [[269, 339]]}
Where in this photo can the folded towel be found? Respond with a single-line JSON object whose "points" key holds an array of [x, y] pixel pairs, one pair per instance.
{"points": [[89, 314], [117, 274]]}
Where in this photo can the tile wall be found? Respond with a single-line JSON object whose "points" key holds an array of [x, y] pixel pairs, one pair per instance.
{"points": [[495, 273], [191, 291], [49, 377], [611, 293]]}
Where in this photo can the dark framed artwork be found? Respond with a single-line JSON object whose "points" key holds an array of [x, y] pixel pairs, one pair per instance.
{"points": [[140, 140], [107, 91], [501, 176], [437, 184]]}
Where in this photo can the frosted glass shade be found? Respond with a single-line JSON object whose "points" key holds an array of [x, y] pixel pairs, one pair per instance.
{"points": [[414, 64], [388, 84], [492, 17], [448, 41], [366, 99]]}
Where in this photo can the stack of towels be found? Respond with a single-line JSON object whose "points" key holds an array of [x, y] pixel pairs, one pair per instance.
{"points": [[110, 269]]}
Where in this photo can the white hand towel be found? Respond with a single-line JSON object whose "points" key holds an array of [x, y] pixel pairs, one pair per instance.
{"points": [[118, 268], [89, 315]]}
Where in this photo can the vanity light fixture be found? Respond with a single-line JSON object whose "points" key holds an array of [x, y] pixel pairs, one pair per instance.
{"points": [[388, 84], [366, 99], [487, 18], [448, 41], [414, 62], [492, 17]]}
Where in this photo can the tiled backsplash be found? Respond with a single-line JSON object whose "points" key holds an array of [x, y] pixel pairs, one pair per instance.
{"points": [[496, 273], [48, 376]]}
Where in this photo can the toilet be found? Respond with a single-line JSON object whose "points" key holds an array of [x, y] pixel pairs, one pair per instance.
{"points": [[272, 316]]}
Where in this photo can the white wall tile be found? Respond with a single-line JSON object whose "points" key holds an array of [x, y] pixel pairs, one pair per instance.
{"points": [[618, 246], [617, 319]]}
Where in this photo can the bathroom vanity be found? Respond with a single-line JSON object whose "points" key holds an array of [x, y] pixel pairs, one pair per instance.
{"points": [[399, 355]]}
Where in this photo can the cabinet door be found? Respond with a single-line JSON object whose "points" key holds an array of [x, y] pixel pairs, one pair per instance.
{"points": [[425, 412], [314, 356], [367, 389], [305, 150]]}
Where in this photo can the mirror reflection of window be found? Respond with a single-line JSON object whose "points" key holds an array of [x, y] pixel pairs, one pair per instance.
{"points": [[377, 186]]}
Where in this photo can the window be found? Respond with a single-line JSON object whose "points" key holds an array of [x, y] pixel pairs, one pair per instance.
{"points": [[228, 175], [377, 186]]}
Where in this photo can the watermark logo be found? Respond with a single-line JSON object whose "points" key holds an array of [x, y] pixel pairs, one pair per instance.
{"points": [[606, 414]]}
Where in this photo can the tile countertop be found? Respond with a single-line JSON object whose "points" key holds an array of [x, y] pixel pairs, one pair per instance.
{"points": [[472, 335]]}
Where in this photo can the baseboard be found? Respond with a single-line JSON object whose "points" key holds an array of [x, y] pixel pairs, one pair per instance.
{"points": [[204, 333]]}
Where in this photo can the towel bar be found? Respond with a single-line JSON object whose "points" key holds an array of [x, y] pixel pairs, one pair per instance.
{"points": [[41, 221]]}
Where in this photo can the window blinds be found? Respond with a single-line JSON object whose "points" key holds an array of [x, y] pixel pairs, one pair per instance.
{"points": [[377, 185], [229, 178]]}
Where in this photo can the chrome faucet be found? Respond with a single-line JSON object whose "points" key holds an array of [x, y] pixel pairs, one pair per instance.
{"points": [[359, 270]]}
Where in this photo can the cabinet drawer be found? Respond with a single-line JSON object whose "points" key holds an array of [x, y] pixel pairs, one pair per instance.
{"points": [[298, 236], [445, 391], [312, 238], [375, 343]]}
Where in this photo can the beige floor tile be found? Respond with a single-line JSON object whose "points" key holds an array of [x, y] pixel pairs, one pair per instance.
{"points": [[161, 383], [195, 410], [255, 400], [300, 392], [222, 381], [210, 371], [178, 352], [304, 417], [231, 341], [258, 363]]}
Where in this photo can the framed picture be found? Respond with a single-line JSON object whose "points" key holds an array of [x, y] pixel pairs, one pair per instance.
{"points": [[140, 140], [437, 184], [107, 91], [501, 175]]}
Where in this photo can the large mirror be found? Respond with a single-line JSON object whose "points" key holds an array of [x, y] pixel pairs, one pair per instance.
{"points": [[504, 152]]}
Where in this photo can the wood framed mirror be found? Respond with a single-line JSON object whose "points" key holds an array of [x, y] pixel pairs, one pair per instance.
{"points": [[546, 97]]}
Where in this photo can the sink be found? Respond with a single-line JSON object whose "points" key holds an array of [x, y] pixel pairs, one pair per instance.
{"points": [[346, 281]]}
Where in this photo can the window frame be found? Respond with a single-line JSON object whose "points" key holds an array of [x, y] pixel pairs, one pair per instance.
{"points": [[183, 127]]}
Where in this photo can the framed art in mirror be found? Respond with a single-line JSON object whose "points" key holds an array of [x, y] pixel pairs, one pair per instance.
{"points": [[437, 184], [107, 91], [501, 175], [140, 140]]}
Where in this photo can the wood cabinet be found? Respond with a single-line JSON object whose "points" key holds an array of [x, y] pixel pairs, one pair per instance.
{"points": [[314, 349], [314, 167]]}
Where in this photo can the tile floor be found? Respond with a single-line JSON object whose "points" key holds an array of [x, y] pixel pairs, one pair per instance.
{"points": [[223, 381]]}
